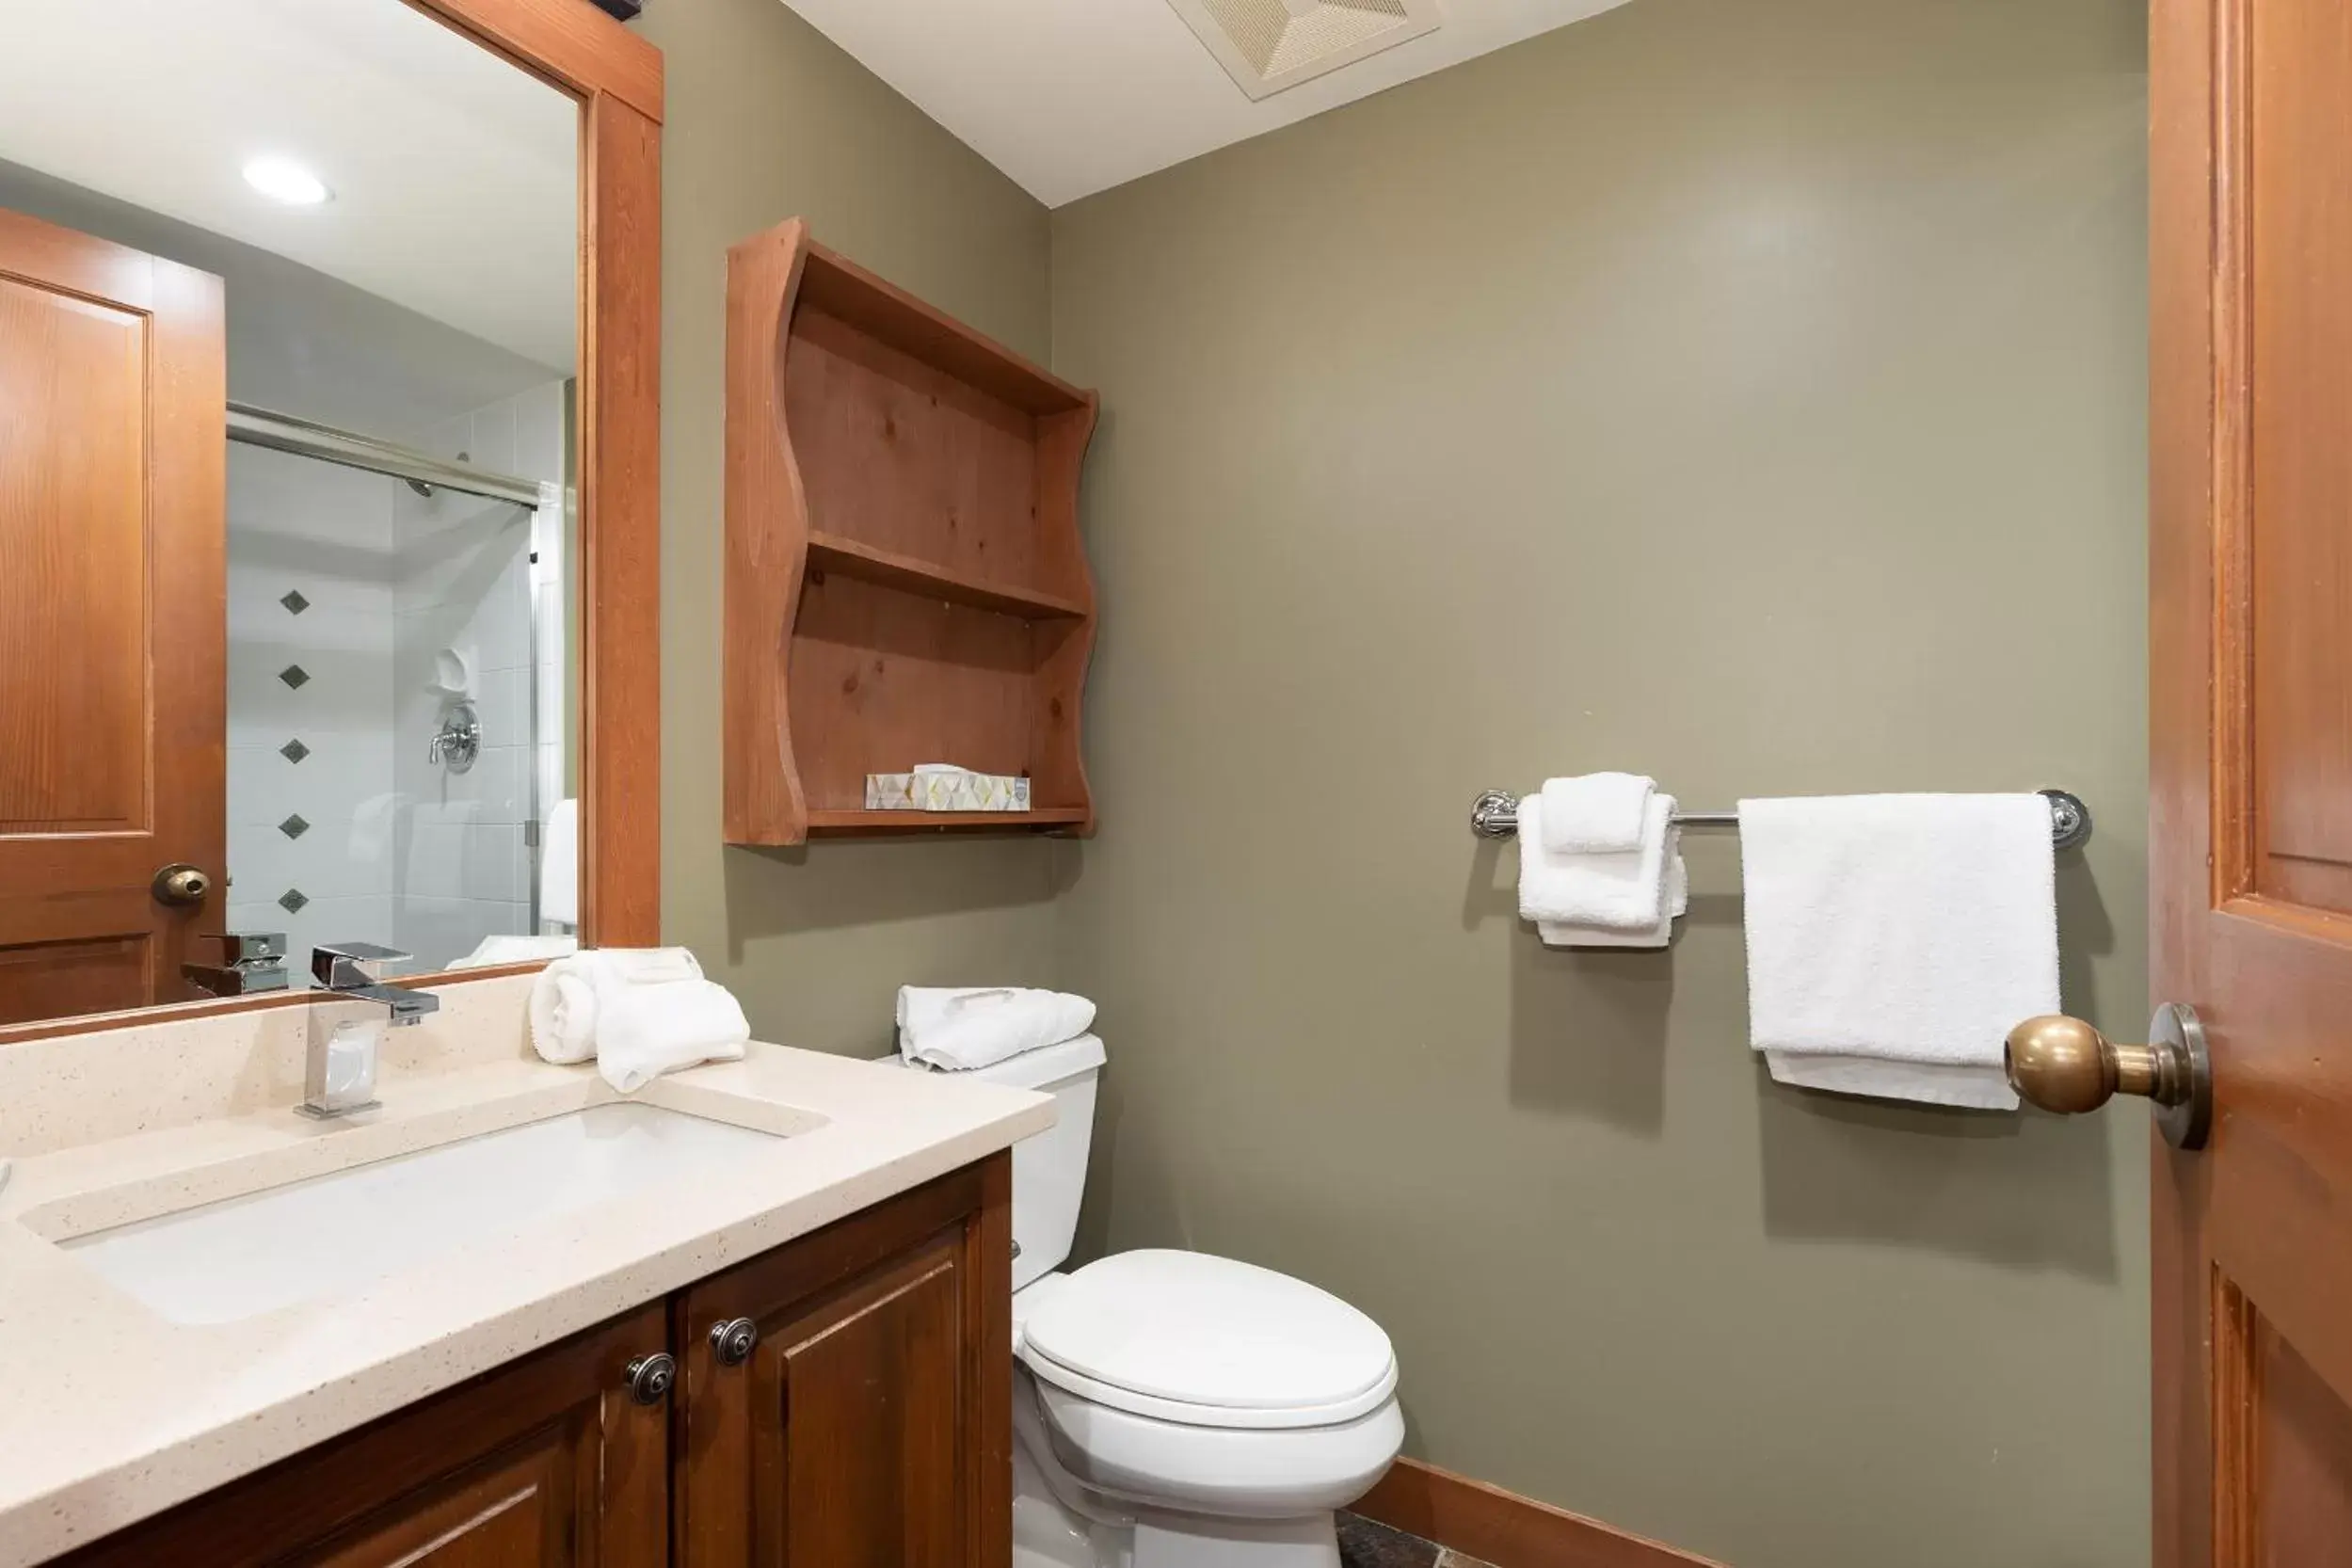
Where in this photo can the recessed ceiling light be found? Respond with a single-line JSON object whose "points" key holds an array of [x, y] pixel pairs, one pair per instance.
{"points": [[286, 181]]}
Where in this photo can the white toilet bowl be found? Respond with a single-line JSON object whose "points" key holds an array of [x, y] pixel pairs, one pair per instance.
{"points": [[1172, 1409], [1175, 1410]]}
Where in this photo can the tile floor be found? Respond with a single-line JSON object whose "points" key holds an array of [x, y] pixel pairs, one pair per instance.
{"points": [[1366, 1545]]}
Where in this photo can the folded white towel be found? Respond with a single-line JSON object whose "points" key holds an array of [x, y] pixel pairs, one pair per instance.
{"points": [[1969, 1088], [1555, 934], [1601, 814], [1894, 940], [960, 1029], [645, 1031], [493, 951], [1625, 893], [567, 995]]}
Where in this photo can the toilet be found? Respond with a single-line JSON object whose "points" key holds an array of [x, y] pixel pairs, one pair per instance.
{"points": [[1174, 1409]]}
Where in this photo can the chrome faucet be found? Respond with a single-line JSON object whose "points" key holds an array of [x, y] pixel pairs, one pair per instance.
{"points": [[339, 1075], [353, 969], [250, 962]]}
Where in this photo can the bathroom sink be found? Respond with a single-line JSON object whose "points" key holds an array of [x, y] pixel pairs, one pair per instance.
{"points": [[333, 1234]]}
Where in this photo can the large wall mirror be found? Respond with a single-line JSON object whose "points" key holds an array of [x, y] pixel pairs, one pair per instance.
{"points": [[327, 509]]}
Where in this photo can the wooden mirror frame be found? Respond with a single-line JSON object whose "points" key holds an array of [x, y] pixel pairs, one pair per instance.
{"points": [[616, 77]]}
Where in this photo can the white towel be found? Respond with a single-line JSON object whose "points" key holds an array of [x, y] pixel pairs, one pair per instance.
{"points": [[1894, 940], [559, 865], [568, 996], [644, 1030], [960, 1029], [1625, 893], [1554, 934], [1601, 814], [493, 951]]}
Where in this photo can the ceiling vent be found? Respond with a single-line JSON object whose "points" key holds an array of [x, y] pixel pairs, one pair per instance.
{"points": [[1267, 45]]}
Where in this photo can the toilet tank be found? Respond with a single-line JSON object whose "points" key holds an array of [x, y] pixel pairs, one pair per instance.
{"points": [[1049, 1167]]}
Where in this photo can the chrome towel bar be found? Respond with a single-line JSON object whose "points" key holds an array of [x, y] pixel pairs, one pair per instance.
{"points": [[1496, 815]]}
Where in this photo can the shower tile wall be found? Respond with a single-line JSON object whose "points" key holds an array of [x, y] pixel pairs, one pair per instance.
{"points": [[464, 584], [311, 628]]}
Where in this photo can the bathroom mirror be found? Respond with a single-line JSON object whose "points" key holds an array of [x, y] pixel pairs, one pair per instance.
{"points": [[307, 489]]}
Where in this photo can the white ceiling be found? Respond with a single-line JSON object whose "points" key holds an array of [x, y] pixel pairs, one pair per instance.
{"points": [[1070, 97], [453, 172]]}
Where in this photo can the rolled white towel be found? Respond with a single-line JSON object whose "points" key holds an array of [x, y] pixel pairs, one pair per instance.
{"points": [[645, 1031], [961, 1028], [568, 996]]}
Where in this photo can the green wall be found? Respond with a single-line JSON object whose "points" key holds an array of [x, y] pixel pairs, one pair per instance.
{"points": [[1745, 392], [768, 121], [1748, 392]]}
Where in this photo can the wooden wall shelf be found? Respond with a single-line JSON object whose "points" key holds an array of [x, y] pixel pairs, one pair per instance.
{"points": [[871, 824], [830, 553], [906, 581]]}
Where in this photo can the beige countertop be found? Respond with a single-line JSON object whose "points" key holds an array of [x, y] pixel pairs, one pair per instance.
{"points": [[114, 1413]]}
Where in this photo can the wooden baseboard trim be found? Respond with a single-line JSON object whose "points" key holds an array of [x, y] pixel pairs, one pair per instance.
{"points": [[1503, 1528]]}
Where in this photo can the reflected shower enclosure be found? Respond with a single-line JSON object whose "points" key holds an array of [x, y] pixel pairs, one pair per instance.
{"points": [[396, 678]]}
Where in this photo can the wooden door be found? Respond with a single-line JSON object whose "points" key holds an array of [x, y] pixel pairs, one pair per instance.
{"points": [[549, 1463], [870, 1425], [2250, 642], [113, 426]]}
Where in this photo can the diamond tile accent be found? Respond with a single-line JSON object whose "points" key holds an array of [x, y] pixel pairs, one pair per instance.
{"points": [[295, 676], [294, 602], [294, 826], [291, 901], [294, 751]]}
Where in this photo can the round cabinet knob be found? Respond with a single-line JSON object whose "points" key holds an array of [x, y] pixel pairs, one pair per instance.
{"points": [[2064, 1065], [732, 1340], [651, 1377], [182, 883]]}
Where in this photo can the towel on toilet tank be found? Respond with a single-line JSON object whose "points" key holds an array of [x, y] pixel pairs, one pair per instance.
{"points": [[1894, 940], [960, 1028]]}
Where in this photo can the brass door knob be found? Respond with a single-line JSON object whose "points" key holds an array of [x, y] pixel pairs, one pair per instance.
{"points": [[182, 883], [2064, 1065]]}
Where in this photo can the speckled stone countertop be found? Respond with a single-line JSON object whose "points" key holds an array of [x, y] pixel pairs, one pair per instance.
{"points": [[114, 1413]]}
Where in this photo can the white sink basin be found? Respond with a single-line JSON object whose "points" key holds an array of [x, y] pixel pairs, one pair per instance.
{"points": [[333, 1235]]}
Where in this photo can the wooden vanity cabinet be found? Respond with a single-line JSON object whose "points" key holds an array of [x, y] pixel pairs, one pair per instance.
{"points": [[869, 1426]]}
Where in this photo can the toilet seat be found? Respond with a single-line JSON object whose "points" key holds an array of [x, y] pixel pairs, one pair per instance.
{"points": [[1129, 1460], [1205, 1341]]}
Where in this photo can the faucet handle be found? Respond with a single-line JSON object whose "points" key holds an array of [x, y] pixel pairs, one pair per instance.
{"points": [[249, 947], [339, 966]]}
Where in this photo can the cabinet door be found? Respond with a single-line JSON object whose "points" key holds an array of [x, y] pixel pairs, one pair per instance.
{"points": [[871, 1426], [548, 1461]]}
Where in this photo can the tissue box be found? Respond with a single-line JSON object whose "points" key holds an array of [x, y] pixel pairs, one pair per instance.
{"points": [[945, 792]]}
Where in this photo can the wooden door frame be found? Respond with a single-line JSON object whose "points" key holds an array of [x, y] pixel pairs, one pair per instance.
{"points": [[2237, 1264], [2187, 188], [617, 77]]}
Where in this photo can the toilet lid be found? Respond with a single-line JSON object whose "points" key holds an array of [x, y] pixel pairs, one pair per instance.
{"points": [[1207, 1341]]}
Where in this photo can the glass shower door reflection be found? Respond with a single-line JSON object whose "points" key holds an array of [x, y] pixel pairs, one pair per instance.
{"points": [[397, 709]]}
